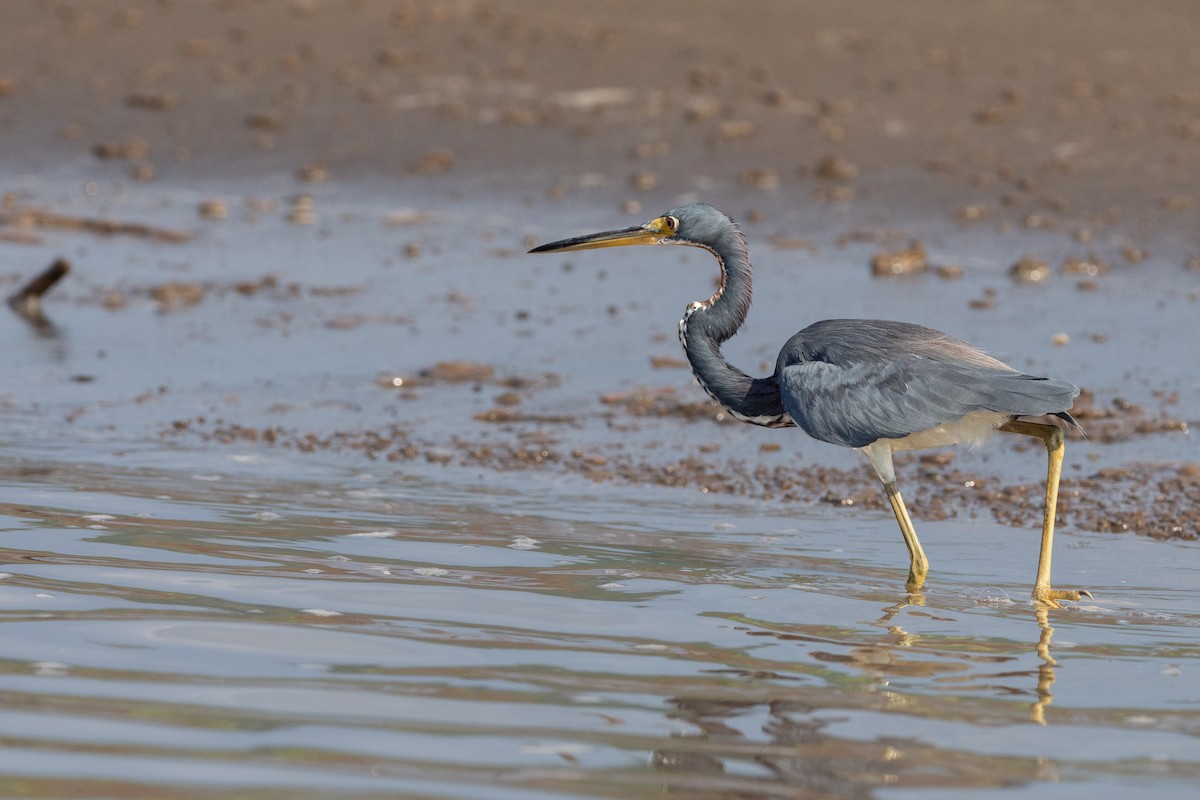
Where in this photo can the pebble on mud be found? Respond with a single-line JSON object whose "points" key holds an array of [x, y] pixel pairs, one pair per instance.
{"points": [[407, 216], [909, 261], [213, 209], [663, 402], [699, 109], [396, 57], [983, 303], [1089, 266], [730, 130], [764, 179], [1134, 255], [835, 194], [1029, 270], [783, 241], [1178, 202], [437, 160], [196, 47], [303, 210], [152, 101], [643, 180], [263, 121], [114, 299], [126, 149], [972, 212], [836, 168], [667, 362], [949, 272], [458, 372], [313, 173], [177, 294], [651, 150]]}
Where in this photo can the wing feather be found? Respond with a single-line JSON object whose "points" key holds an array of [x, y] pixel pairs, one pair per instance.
{"points": [[857, 402]]}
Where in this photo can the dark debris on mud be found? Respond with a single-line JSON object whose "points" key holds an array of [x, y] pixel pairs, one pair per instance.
{"points": [[1159, 500], [21, 224]]}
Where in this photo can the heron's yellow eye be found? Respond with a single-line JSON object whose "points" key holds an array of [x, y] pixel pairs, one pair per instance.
{"points": [[672, 223]]}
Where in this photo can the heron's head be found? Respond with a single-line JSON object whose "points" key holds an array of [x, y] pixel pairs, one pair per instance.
{"points": [[696, 224]]}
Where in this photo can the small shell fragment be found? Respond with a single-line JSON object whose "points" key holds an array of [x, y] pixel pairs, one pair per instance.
{"points": [[909, 261], [1029, 270]]}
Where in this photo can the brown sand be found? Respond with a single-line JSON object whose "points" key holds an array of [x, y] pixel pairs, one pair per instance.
{"points": [[1078, 115]]}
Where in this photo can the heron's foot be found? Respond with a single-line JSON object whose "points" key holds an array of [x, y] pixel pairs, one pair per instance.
{"points": [[915, 597], [1050, 597]]}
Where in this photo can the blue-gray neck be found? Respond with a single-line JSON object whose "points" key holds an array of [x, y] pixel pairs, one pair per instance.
{"points": [[706, 325]]}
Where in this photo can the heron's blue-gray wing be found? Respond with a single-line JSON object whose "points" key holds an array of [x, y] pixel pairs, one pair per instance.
{"points": [[855, 403]]}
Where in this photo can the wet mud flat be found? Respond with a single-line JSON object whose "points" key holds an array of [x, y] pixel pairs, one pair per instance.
{"points": [[304, 448], [1156, 499]]}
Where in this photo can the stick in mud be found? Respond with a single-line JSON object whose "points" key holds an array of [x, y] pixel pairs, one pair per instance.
{"points": [[28, 301]]}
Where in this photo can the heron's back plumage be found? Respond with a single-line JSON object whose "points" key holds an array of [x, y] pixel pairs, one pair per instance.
{"points": [[853, 382]]}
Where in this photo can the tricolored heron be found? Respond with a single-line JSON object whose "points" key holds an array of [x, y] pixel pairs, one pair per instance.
{"points": [[872, 385]]}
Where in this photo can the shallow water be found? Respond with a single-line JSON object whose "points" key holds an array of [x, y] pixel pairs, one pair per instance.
{"points": [[189, 616], [365, 633], [240, 561]]}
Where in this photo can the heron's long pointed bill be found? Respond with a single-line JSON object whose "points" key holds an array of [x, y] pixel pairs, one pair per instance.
{"points": [[652, 232]]}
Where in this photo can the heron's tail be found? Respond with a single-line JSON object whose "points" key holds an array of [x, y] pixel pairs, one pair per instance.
{"points": [[1071, 424]]}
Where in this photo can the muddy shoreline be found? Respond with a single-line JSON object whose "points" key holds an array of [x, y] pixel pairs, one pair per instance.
{"points": [[1001, 116], [1159, 500], [344, 192]]}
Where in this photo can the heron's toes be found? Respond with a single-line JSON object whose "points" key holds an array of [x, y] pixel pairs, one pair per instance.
{"points": [[1050, 597]]}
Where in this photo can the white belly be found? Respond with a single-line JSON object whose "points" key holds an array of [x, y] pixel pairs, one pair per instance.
{"points": [[972, 430]]}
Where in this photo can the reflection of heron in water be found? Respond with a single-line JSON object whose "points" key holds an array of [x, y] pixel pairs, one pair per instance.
{"points": [[758, 718], [872, 385], [1037, 711], [902, 639]]}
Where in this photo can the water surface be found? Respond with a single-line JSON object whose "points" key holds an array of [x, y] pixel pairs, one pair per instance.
{"points": [[368, 634]]}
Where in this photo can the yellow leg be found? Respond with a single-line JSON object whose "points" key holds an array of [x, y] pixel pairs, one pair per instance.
{"points": [[1052, 436], [919, 566]]}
